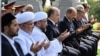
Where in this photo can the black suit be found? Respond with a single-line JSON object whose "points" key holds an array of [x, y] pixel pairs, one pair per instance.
{"points": [[7, 49], [77, 23], [71, 40], [52, 30]]}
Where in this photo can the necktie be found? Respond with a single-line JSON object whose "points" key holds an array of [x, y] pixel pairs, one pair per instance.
{"points": [[71, 27], [56, 28], [19, 50]]}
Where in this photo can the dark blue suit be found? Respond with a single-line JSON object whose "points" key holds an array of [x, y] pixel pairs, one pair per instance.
{"points": [[71, 40], [84, 48], [52, 30], [7, 49]]}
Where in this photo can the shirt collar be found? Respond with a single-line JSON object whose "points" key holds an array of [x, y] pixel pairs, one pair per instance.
{"points": [[8, 38], [52, 21], [68, 19]]}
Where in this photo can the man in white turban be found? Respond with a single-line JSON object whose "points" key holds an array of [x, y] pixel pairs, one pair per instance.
{"points": [[51, 48], [26, 24]]}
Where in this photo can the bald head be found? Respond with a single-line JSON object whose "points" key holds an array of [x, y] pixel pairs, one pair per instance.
{"points": [[71, 13], [70, 10], [29, 7]]}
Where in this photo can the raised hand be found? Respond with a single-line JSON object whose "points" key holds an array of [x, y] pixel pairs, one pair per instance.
{"points": [[47, 45], [37, 47], [79, 30], [63, 35]]}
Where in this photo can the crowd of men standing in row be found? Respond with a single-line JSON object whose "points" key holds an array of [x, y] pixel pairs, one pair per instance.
{"points": [[25, 33]]}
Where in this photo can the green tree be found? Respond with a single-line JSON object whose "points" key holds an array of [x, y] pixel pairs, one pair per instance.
{"points": [[6, 1], [45, 1], [95, 9]]}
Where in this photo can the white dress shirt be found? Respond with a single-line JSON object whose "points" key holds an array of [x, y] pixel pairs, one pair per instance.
{"points": [[86, 15]]}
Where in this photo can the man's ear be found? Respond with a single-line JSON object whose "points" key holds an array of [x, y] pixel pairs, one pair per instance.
{"points": [[5, 28]]}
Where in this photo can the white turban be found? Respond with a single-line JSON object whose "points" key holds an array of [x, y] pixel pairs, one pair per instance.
{"points": [[40, 16], [25, 17], [17, 15]]}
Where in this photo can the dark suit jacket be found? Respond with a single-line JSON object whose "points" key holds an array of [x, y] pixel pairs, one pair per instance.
{"points": [[52, 31], [71, 40], [7, 49], [65, 24], [77, 23], [88, 30]]}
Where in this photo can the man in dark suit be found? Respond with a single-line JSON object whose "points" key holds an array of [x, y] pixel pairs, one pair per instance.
{"points": [[9, 30], [53, 18], [67, 23], [53, 31], [84, 48], [78, 22]]}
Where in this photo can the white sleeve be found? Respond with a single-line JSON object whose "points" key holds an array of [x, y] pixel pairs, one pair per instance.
{"points": [[23, 45], [55, 46]]}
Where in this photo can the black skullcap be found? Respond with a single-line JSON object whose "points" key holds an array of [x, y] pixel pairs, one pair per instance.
{"points": [[6, 20]]}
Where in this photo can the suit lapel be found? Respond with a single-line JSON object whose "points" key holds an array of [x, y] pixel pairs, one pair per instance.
{"points": [[8, 46], [55, 29]]}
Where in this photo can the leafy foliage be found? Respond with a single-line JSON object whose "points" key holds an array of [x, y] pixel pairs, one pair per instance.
{"points": [[5, 1], [95, 9]]}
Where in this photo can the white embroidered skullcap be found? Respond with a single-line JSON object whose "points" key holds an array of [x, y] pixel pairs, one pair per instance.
{"points": [[40, 16], [25, 17]]}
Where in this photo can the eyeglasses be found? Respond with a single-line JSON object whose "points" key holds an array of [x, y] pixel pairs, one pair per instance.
{"points": [[29, 23], [44, 21]]}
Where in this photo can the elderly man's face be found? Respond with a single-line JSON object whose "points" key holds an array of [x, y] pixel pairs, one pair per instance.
{"points": [[73, 14], [28, 26], [56, 16], [80, 15]]}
